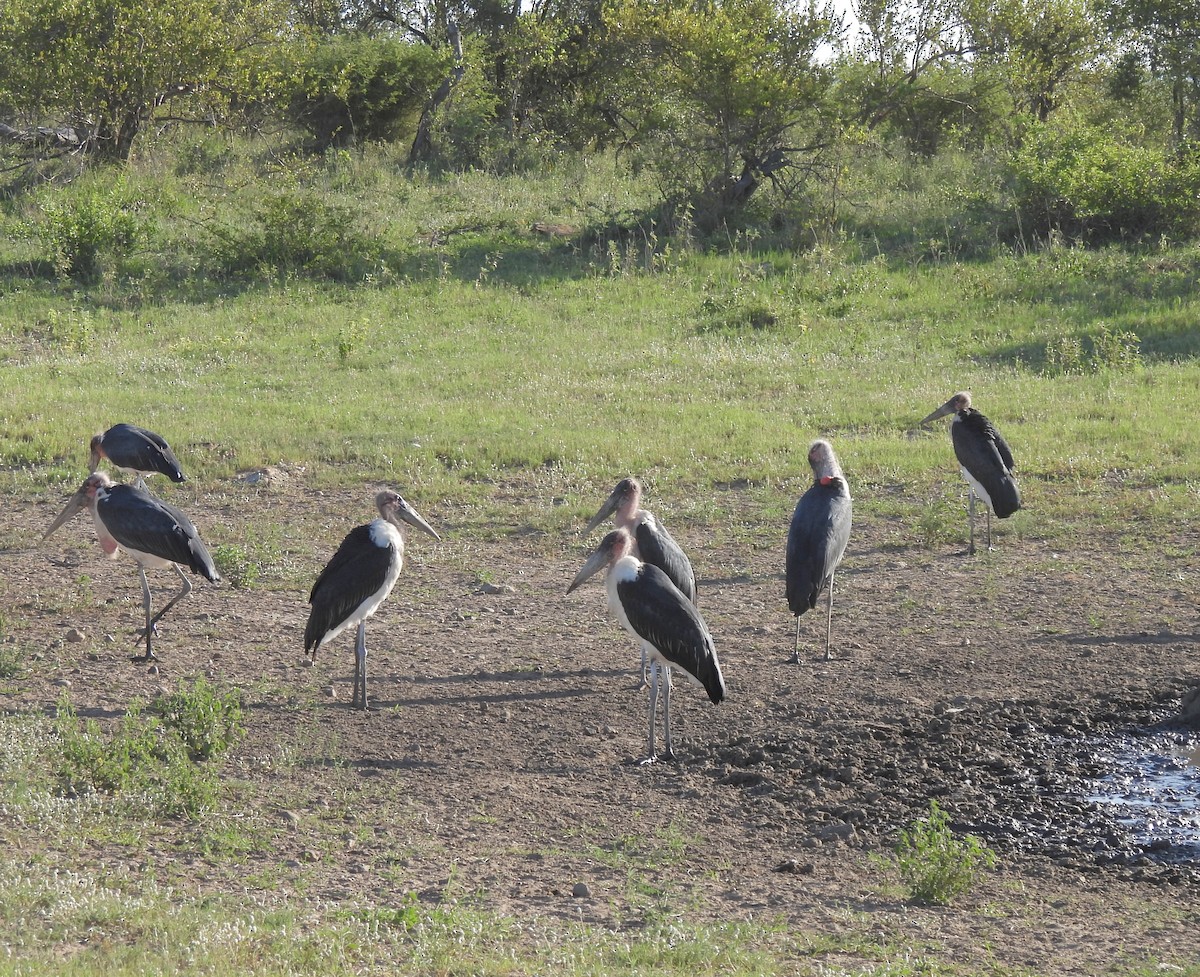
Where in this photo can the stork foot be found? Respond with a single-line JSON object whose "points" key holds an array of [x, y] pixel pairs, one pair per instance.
{"points": [[795, 659], [144, 659]]}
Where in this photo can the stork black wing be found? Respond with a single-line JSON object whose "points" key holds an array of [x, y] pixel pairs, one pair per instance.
{"points": [[817, 541], [659, 612], [139, 521], [135, 448], [657, 547], [357, 570], [981, 451]]}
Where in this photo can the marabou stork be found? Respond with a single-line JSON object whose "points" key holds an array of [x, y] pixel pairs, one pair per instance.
{"points": [[985, 460], [154, 533], [817, 539], [666, 625], [136, 450], [357, 580], [651, 542]]}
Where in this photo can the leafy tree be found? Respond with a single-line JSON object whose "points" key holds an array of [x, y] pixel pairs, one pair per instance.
{"points": [[1035, 46], [1165, 35], [353, 87], [908, 71], [102, 69], [728, 93]]}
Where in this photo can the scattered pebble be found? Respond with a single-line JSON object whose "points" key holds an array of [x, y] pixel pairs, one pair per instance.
{"points": [[75, 635], [580, 890]]}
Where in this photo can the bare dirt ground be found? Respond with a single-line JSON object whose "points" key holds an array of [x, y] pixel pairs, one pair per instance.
{"points": [[498, 760]]}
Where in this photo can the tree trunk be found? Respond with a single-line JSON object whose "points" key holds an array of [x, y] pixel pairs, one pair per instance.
{"points": [[422, 147]]}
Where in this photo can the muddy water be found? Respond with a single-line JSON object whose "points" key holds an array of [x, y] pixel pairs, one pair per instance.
{"points": [[1152, 789]]}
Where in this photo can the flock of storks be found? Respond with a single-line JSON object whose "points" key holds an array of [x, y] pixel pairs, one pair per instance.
{"points": [[650, 583]]}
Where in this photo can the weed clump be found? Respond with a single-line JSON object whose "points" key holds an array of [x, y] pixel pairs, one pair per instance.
{"points": [[153, 757], [934, 864]]}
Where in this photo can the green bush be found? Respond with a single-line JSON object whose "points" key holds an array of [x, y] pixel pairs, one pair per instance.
{"points": [[149, 760], [1085, 182], [350, 89], [299, 231], [82, 227], [207, 722], [934, 864]]}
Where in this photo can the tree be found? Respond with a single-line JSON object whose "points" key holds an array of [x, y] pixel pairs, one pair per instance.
{"points": [[1165, 34], [730, 92], [1035, 45], [103, 69]]}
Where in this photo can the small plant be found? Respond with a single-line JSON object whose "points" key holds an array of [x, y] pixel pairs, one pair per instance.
{"points": [[935, 865], [10, 662], [207, 721], [144, 763], [236, 565], [1118, 351]]}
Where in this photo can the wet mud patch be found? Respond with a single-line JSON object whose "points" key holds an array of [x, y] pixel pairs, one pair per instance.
{"points": [[1100, 790]]}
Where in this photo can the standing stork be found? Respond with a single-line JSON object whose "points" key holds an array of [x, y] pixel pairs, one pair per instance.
{"points": [[156, 535], [358, 579], [666, 625], [651, 542], [138, 451], [985, 460], [817, 539]]}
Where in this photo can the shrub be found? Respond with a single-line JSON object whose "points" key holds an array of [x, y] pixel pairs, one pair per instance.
{"points": [[207, 722], [150, 759], [350, 89], [298, 231], [81, 227], [934, 864], [1087, 183]]}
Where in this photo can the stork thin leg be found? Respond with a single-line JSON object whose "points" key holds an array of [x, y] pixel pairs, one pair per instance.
{"points": [[795, 659], [971, 521], [651, 756], [140, 483], [988, 510], [669, 752], [149, 656], [829, 621], [187, 589], [643, 676], [360, 667], [152, 622]]}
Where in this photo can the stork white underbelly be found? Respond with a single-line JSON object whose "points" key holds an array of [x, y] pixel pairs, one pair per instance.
{"points": [[980, 492]]}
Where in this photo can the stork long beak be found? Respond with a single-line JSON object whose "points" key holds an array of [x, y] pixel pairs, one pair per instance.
{"points": [[413, 518], [77, 502], [946, 408], [597, 561], [606, 510]]}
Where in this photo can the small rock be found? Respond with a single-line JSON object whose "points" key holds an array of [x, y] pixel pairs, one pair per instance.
{"points": [[792, 867], [496, 588], [62, 683], [580, 890], [75, 636]]}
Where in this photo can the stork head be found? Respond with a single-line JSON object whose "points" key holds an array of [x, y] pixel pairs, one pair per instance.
{"points": [[615, 545], [84, 495], [395, 510], [624, 500], [824, 463], [96, 452], [960, 401]]}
